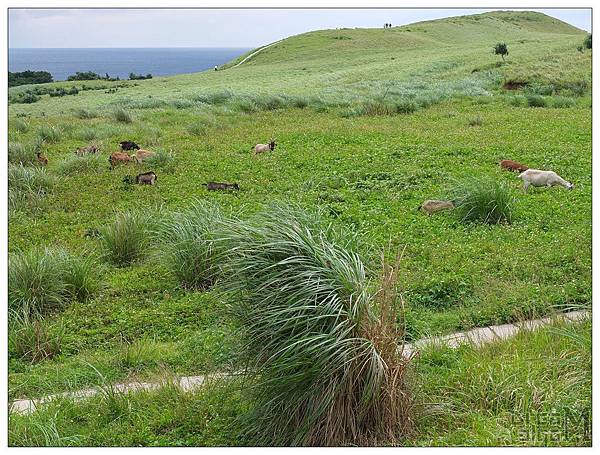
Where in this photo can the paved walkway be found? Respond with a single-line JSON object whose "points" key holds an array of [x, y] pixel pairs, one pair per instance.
{"points": [[477, 337], [248, 57]]}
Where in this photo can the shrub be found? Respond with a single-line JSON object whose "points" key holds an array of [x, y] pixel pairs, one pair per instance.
{"points": [[21, 154], [485, 200], [19, 125], [190, 245], [321, 344], [125, 240], [536, 101], [587, 42], [49, 134], [123, 116], [31, 338], [85, 114], [26, 97], [501, 49], [91, 163], [562, 101], [476, 121]]}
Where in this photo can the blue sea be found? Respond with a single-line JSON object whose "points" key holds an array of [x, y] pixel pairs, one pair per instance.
{"points": [[61, 63]]}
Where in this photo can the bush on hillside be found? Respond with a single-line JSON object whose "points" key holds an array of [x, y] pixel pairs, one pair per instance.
{"points": [[501, 49]]}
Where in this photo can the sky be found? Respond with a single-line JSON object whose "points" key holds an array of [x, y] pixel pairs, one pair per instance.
{"points": [[246, 28]]}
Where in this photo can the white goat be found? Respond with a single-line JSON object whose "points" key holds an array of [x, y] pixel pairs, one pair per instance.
{"points": [[261, 148], [536, 177]]}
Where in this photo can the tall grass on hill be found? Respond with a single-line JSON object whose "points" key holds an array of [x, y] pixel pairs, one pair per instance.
{"points": [[28, 187], [43, 279], [190, 247], [21, 154], [320, 343], [85, 114], [122, 115], [483, 199], [125, 240], [160, 159], [23, 178], [49, 134], [31, 338], [19, 125]]}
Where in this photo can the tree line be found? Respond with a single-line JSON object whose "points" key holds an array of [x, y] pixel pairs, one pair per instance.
{"points": [[42, 77]]}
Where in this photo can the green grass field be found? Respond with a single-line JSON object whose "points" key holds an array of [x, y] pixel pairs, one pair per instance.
{"points": [[369, 124]]}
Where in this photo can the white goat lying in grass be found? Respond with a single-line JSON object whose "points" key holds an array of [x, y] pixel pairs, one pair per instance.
{"points": [[536, 177]]}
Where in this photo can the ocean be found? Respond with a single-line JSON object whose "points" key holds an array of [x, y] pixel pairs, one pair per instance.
{"points": [[61, 63]]}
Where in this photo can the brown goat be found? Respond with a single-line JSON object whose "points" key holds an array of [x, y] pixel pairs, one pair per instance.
{"points": [[42, 158], [141, 155], [511, 165], [85, 150], [119, 158]]}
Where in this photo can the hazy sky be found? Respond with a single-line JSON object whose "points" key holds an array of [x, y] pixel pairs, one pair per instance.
{"points": [[211, 27]]}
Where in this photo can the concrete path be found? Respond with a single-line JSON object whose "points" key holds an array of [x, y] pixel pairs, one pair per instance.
{"points": [[248, 57], [477, 337]]}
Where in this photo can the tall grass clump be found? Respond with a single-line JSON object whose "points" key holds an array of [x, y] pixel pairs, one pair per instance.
{"points": [[90, 163], [483, 200], [121, 115], [534, 100], [43, 279], [216, 98], [19, 125], [87, 133], [34, 281], [320, 342], [31, 338], [161, 158], [190, 247], [125, 240], [560, 102], [21, 154], [28, 187], [49, 134], [29, 179], [79, 277], [85, 114]]}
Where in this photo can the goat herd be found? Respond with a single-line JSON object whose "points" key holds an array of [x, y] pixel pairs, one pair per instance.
{"points": [[530, 177], [139, 155]]}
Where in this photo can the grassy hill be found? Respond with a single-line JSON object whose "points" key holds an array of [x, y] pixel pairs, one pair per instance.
{"points": [[370, 123]]}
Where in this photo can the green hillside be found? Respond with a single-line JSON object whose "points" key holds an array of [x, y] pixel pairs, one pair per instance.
{"points": [[369, 124], [453, 55]]}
